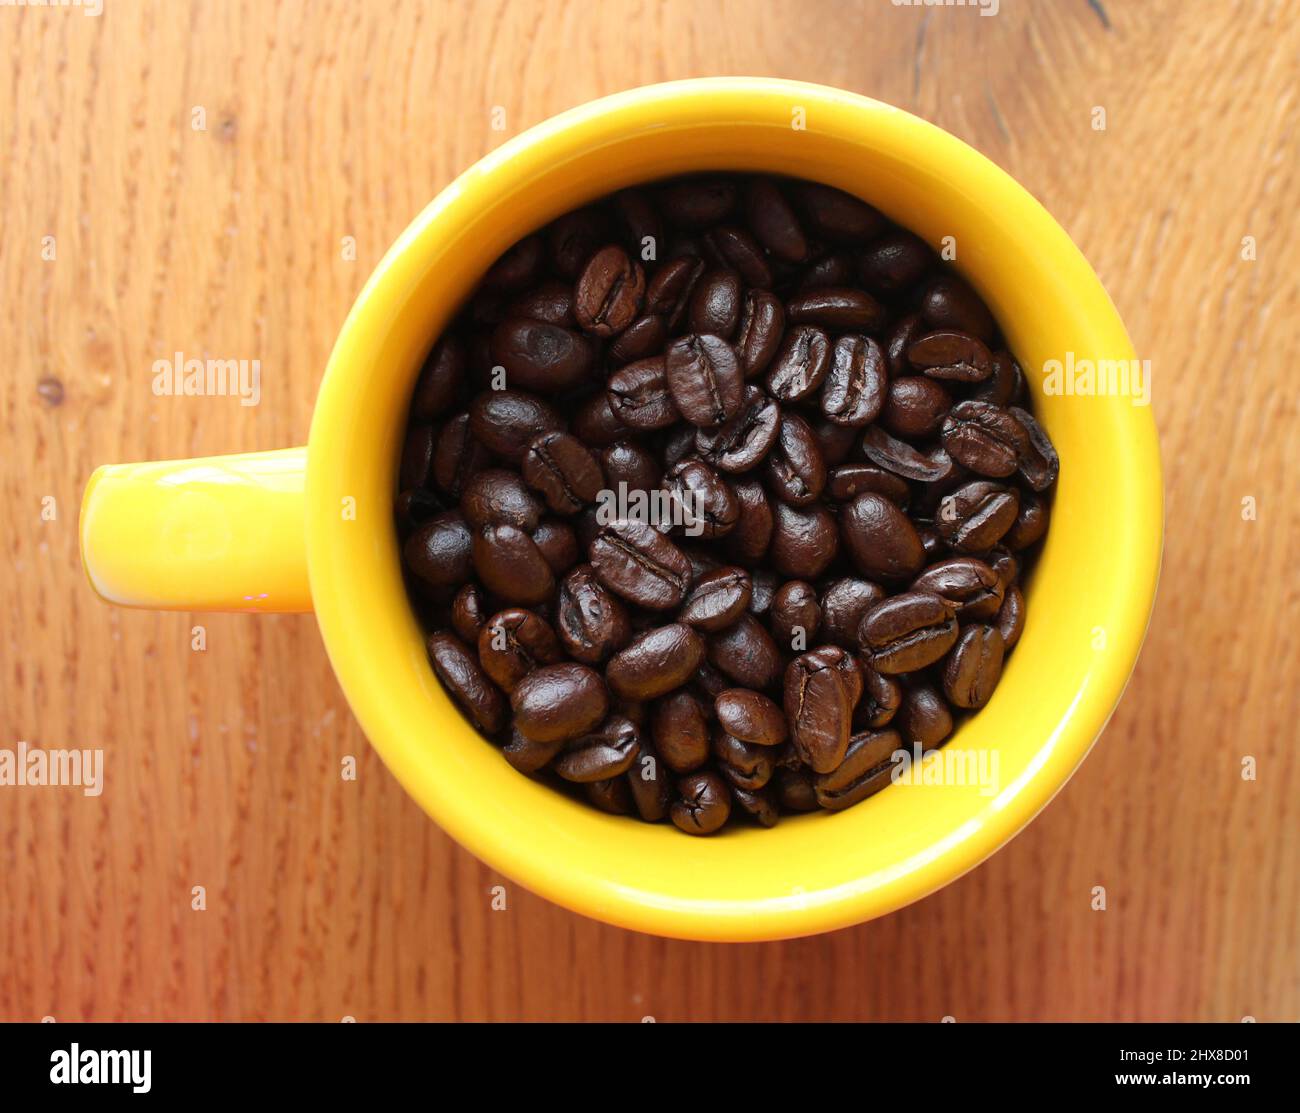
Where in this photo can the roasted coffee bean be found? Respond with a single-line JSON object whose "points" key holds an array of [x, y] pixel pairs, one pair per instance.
{"points": [[882, 696], [801, 364], [902, 459], [924, 719], [550, 302], [467, 683], [559, 702], [440, 379], [949, 303], [528, 756], [759, 805], [748, 541], [968, 584], [744, 764], [511, 566], [469, 611], [797, 377], [984, 438], [441, 553], [894, 261], [746, 653], [952, 356], [774, 223], [591, 622], [1039, 463], [976, 515], [915, 407], [856, 385], [563, 470], [751, 717], [1030, 525], [704, 379], [514, 642], [703, 803], [457, 456], [650, 782], [848, 481], [817, 708], [746, 439], [974, 666], [558, 545], [545, 358], [837, 308], [880, 539], [417, 458], [505, 421], [796, 615], [758, 335], [606, 752], [795, 470], [804, 540], [639, 396], [631, 465], [496, 495], [718, 599], [907, 632], [656, 662], [837, 215], [698, 202], [609, 292], [843, 603], [641, 339], [668, 294], [680, 728], [715, 304], [865, 770], [700, 499]]}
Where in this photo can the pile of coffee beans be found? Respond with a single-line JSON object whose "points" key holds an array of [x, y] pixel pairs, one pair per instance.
{"points": [[717, 493]]}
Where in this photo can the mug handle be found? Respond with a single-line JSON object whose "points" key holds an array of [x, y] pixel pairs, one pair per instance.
{"points": [[219, 533]]}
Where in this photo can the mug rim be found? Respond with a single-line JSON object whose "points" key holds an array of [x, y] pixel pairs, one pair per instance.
{"points": [[332, 583]]}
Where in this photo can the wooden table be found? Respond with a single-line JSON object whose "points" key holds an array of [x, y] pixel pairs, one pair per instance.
{"points": [[336, 118]]}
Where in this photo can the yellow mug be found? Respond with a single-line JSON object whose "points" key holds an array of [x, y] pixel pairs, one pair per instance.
{"points": [[311, 529]]}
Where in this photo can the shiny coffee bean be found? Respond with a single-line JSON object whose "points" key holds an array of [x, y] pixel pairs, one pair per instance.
{"points": [[968, 584], [949, 303], [717, 599], [700, 500], [804, 540], [843, 603], [655, 662], [974, 666], [746, 653], [501, 496], [856, 384], [680, 729], [514, 642], [732, 248], [865, 770], [901, 336], [612, 796], [596, 424], [907, 632], [608, 751], [915, 407], [894, 261], [462, 676], [880, 539], [951, 356], [639, 397], [469, 611], [924, 719], [748, 541], [511, 566], [505, 421], [704, 379], [558, 545], [774, 223], [716, 303], [839, 309], [758, 335], [1030, 525], [650, 782], [1039, 462], [1010, 619], [760, 806], [637, 562], [1004, 384], [703, 803], [573, 238], [668, 294], [744, 764], [795, 790], [457, 456], [632, 465], [528, 756], [817, 708], [609, 292], [984, 438], [837, 215], [801, 364], [837, 442], [751, 717], [741, 443], [559, 702], [541, 357], [794, 469], [563, 470], [698, 202], [440, 379], [882, 696], [976, 515], [796, 615], [766, 584], [441, 553], [848, 481], [641, 339], [550, 302], [902, 459], [591, 622]]}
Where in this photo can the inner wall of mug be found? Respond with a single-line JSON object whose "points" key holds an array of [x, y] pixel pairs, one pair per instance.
{"points": [[811, 871]]}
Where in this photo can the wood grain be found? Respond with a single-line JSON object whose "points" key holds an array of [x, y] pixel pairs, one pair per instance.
{"points": [[335, 118]]}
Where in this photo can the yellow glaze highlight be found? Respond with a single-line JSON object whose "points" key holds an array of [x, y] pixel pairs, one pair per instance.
{"points": [[1089, 600], [223, 533]]}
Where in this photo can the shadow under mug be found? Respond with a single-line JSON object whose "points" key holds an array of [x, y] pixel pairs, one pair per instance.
{"points": [[312, 528]]}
